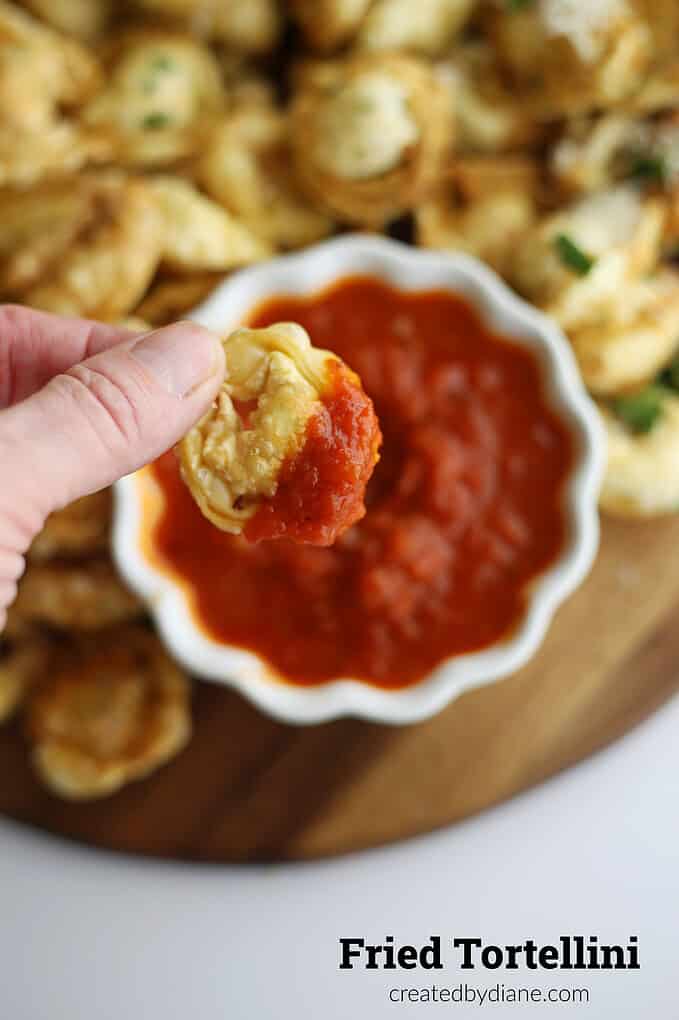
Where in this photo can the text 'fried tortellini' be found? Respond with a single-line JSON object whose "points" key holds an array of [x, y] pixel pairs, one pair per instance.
{"points": [[75, 596], [289, 445], [246, 167], [162, 91], [246, 26], [111, 712], [198, 234], [642, 474], [576, 263], [632, 350], [369, 135]]}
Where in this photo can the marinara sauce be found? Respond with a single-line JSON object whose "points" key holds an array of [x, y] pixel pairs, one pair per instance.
{"points": [[465, 507]]}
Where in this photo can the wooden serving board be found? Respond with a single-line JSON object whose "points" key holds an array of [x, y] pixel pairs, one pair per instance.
{"points": [[248, 788]]}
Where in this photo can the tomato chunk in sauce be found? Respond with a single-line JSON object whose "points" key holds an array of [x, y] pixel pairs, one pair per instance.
{"points": [[465, 507]]}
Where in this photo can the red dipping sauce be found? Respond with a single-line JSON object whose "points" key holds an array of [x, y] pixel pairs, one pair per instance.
{"points": [[465, 507]]}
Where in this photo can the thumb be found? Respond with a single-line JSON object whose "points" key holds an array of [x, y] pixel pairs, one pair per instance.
{"points": [[108, 415]]}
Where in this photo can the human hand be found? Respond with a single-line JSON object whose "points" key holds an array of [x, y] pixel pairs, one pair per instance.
{"points": [[83, 403]]}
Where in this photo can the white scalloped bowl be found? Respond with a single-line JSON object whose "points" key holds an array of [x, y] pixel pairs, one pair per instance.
{"points": [[408, 269]]}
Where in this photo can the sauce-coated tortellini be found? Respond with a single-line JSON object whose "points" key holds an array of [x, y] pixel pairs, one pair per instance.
{"points": [[642, 475], [110, 712], [289, 445], [369, 135], [576, 263]]}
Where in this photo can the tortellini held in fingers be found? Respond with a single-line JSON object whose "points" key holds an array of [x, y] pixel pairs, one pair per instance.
{"points": [[369, 136], [289, 445], [109, 713]]}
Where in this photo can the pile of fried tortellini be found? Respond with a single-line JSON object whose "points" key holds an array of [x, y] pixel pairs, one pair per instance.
{"points": [[149, 147]]}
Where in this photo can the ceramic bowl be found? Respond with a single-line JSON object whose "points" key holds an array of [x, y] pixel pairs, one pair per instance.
{"points": [[408, 269]]}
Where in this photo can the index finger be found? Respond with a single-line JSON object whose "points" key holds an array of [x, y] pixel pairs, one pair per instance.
{"points": [[35, 346]]}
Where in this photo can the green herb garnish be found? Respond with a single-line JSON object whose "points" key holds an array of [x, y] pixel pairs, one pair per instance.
{"points": [[670, 377], [652, 169], [155, 121], [572, 256], [641, 411], [163, 63]]}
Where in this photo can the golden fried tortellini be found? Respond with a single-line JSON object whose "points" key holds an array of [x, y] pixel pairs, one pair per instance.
{"points": [[369, 135], [78, 596], [80, 529], [576, 263], [490, 115], [198, 234], [613, 357], [22, 662], [580, 56], [172, 297], [162, 91], [108, 266], [270, 408], [85, 19], [40, 71], [28, 158], [245, 166], [328, 24], [428, 27], [642, 474], [111, 711], [246, 26], [483, 207]]}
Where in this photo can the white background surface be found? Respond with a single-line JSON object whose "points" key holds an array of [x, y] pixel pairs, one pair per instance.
{"points": [[85, 936]]}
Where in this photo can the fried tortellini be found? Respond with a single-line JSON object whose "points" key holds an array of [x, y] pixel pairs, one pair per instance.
{"points": [[22, 662], [328, 24], [75, 596], [575, 263], [198, 234], [246, 168], [484, 208], [110, 712], [80, 529], [162, 91], [369, 135], [85, 19], [632, 349], [246, 26], [106, 269], [579, 56], [233, 459], [642, 474]]}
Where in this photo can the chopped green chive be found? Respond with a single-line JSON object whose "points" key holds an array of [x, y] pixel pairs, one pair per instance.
{"points": [[155, 121], [572, 256], [163, 63], [649, 168], [641, 411]]}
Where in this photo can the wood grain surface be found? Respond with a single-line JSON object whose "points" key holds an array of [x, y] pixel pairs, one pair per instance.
{"points": [[248, 788]]}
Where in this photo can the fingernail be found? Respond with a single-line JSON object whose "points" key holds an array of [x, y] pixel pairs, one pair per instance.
{"points": [[180, 357]]}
